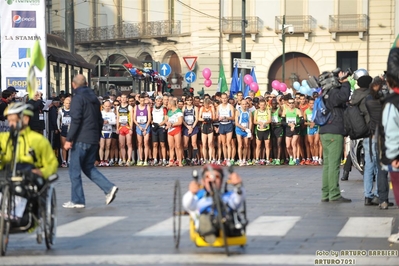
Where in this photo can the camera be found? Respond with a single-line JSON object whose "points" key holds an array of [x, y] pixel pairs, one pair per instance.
{"points": [[348, 72], [291, 30]]}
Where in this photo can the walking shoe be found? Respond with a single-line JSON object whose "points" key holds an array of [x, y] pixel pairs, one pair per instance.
{"points": [[291, 162], [394, 238], [145, 163], [371, 201], [164, 162], [71, 205], [106, 163], [140, 163], [385, 205], [320, 161], [341, 200], [111, 196], [345, 176], [302, 162], [64, 164], [121, 163], [297, 162]]}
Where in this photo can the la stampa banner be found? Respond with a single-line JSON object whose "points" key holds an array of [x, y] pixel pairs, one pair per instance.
{"points": [[22, 23]]}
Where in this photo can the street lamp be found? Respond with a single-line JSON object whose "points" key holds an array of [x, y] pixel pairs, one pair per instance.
{"points": [[290, 29]]}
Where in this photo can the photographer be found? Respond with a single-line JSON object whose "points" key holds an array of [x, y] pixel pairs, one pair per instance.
{"points": [[332, 135]]}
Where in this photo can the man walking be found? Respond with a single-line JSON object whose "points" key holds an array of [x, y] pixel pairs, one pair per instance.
{"points": [[83, 138]]}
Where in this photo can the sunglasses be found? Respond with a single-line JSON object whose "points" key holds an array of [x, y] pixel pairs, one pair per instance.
{"points": [[116, 104], [291, 102]]}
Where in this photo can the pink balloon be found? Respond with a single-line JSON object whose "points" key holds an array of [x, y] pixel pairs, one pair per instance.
{"points": [[208, 83], [254, 87], [206, 73], [283, 87], [276, 84], [248, 79]]}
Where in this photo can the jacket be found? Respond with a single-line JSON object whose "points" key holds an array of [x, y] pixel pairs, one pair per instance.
{"points": [[374, 108], [86, 118], [37, 121], [335, 101], [42, 157], [389, 135], [52, 118], [359, 99]]}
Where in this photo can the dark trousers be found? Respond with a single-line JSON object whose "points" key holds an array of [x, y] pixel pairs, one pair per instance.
{"points": [[348, 163], [382, 184]]}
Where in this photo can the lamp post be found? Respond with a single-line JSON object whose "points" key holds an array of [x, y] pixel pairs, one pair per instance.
{"points": [[243, 43], [290, 28]]}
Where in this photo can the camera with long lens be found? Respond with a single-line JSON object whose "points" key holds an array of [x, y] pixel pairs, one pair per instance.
{"points": [[348, 72], [329, 80]]}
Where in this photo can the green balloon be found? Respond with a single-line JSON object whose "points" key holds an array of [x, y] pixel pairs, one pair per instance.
{"points": [[352, 82]]}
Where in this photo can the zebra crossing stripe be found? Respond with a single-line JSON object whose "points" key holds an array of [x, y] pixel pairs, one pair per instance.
{"points": [[272, 225], [86, 225], [165, 228], [371, 227]]}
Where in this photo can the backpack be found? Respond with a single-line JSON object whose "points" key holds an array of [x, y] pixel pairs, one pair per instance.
{"points": [[321, 114], [354, 123]]}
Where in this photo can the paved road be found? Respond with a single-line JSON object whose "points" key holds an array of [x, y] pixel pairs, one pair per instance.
{"points": [[289, 225]]}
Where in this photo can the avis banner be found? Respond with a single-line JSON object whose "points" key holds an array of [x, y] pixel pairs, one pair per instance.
{"points": [[22, 22]]}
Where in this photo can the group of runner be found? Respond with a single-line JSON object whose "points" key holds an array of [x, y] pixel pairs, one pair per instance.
{"points": [[170, 131]]}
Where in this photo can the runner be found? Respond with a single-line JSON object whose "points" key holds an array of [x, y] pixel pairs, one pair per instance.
{"points": [[109, 118], [206, 116], [174, 127], [277, 131], [190, 130], [225, 114], [303, 146], [114, 153], [124, 129], [159, 120], [243, 121], [64, 120], [312, 137], [142, 120], [262, 120]]}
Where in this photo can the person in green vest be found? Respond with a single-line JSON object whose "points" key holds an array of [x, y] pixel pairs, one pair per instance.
{"points": [[312, 134], [277, 131], [262, 120]]}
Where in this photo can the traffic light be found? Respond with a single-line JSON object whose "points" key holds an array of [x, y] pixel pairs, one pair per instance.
{"points": [[201, 92], [169, 89]]}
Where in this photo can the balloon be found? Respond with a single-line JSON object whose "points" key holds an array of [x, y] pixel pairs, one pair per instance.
{"points": [[309, 91], [248, 79], [352, 82], [304, 83], [254, 86], [208, 83], [302, 90], [283, 87], [297, 85], [276, 84], [206, 73]]}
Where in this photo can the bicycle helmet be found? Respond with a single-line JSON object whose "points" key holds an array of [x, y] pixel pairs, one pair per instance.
{"points": [[18, 108], [214, 167], [360, 73]]}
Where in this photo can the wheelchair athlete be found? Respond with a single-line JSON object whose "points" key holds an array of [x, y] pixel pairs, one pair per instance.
{"points": [[35, 156], [199, 203]]}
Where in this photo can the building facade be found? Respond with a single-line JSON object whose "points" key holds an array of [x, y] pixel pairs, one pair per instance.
{"points": [[326, 34]]}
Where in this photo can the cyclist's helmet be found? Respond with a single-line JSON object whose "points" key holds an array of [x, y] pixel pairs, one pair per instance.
{"points": [[214, 167], [18, 108], [360, 73]]}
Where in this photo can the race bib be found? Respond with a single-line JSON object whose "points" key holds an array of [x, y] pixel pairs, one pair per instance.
{"points": [[123, 120], [41, 116], [107, 127], [172, 120], [189, 119], [291, 120], [66, 120], [244, 125], [275, 119], [142, 119], [206, 115]]}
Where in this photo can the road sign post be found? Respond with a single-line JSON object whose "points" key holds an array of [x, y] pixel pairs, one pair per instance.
{"points": [[165, 70], [190, 77]]}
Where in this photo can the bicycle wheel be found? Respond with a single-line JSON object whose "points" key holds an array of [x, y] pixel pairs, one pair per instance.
{"points": [[4, 219], [217, 200], [177, 206], [50, 218]]}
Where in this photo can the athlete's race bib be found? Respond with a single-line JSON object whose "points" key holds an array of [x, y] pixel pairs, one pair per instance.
{"points": [[66, 120], [172, 120], [291, 120], [142, 119], [244, 125], [107, 127], [275, 119], [189, 119], [123, 120], [206, 115]]}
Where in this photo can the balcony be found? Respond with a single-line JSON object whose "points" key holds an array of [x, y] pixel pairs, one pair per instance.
{"points": [[127, 31], [302, 24], [348, 23], [233, 25]]}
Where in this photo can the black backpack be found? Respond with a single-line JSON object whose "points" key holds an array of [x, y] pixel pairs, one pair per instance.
{"points": [[355, 123]]}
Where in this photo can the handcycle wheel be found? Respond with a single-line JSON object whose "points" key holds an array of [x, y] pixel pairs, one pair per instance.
{"points": [[218, 204], [177, 206], [4, 219], [50, 218]]}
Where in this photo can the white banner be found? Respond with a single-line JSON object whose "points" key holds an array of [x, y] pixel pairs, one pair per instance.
{"points": [[22, 22]]}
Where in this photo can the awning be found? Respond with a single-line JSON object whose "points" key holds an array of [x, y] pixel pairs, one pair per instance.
{"points": [[65, 57]]}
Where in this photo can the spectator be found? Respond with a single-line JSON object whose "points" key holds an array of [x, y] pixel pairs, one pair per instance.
{"points": [[54, 136], [83, 138], [6, 97], [13, 93], [332, 138], [37, 121]]}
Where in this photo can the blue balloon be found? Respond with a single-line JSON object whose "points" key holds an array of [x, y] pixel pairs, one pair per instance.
{"points": [[297, 85], [309, 91], [304, 83], [302, 90]]}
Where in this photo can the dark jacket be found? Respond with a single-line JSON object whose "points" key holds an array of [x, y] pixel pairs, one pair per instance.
{"points": [[374, 108], [359, 99], [52, 118], [37, 121], [335, 101], [3, 106], [86, 118]]}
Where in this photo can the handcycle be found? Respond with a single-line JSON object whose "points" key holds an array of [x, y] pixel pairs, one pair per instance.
{"points": [[230, 224], [39, 204]]}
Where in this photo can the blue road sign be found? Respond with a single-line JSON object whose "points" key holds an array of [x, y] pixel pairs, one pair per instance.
{"points": [[165, 70], [190, 77]]}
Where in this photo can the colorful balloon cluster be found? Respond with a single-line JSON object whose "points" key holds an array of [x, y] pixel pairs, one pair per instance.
{"points": [[279, 86], [253, 86], [304, 88], [144, 73], [206, 73]]}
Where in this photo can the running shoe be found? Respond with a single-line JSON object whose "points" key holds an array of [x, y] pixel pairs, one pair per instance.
{"points": [[302, 162], [145, 163], [277, 162], [267, 162], [291, 162], [249, 162], [128, 163], [241, 163], [111, 162], [320, 161], [297, 162], [232, 162], [106, 163], [164, 162], [228, 163], [122, 163], [184, 162], [308, 162], [224, 163], [140, 163], [155, 162], [257, 162], [64, 164]]}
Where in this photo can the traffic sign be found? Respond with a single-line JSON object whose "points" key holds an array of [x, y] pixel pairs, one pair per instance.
{"points": [[244, 63], [190, 61], [190, 77], [165, 70]]}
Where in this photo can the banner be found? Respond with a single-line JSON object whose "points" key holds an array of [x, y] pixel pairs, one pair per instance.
{"points": [[22, 22]]}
